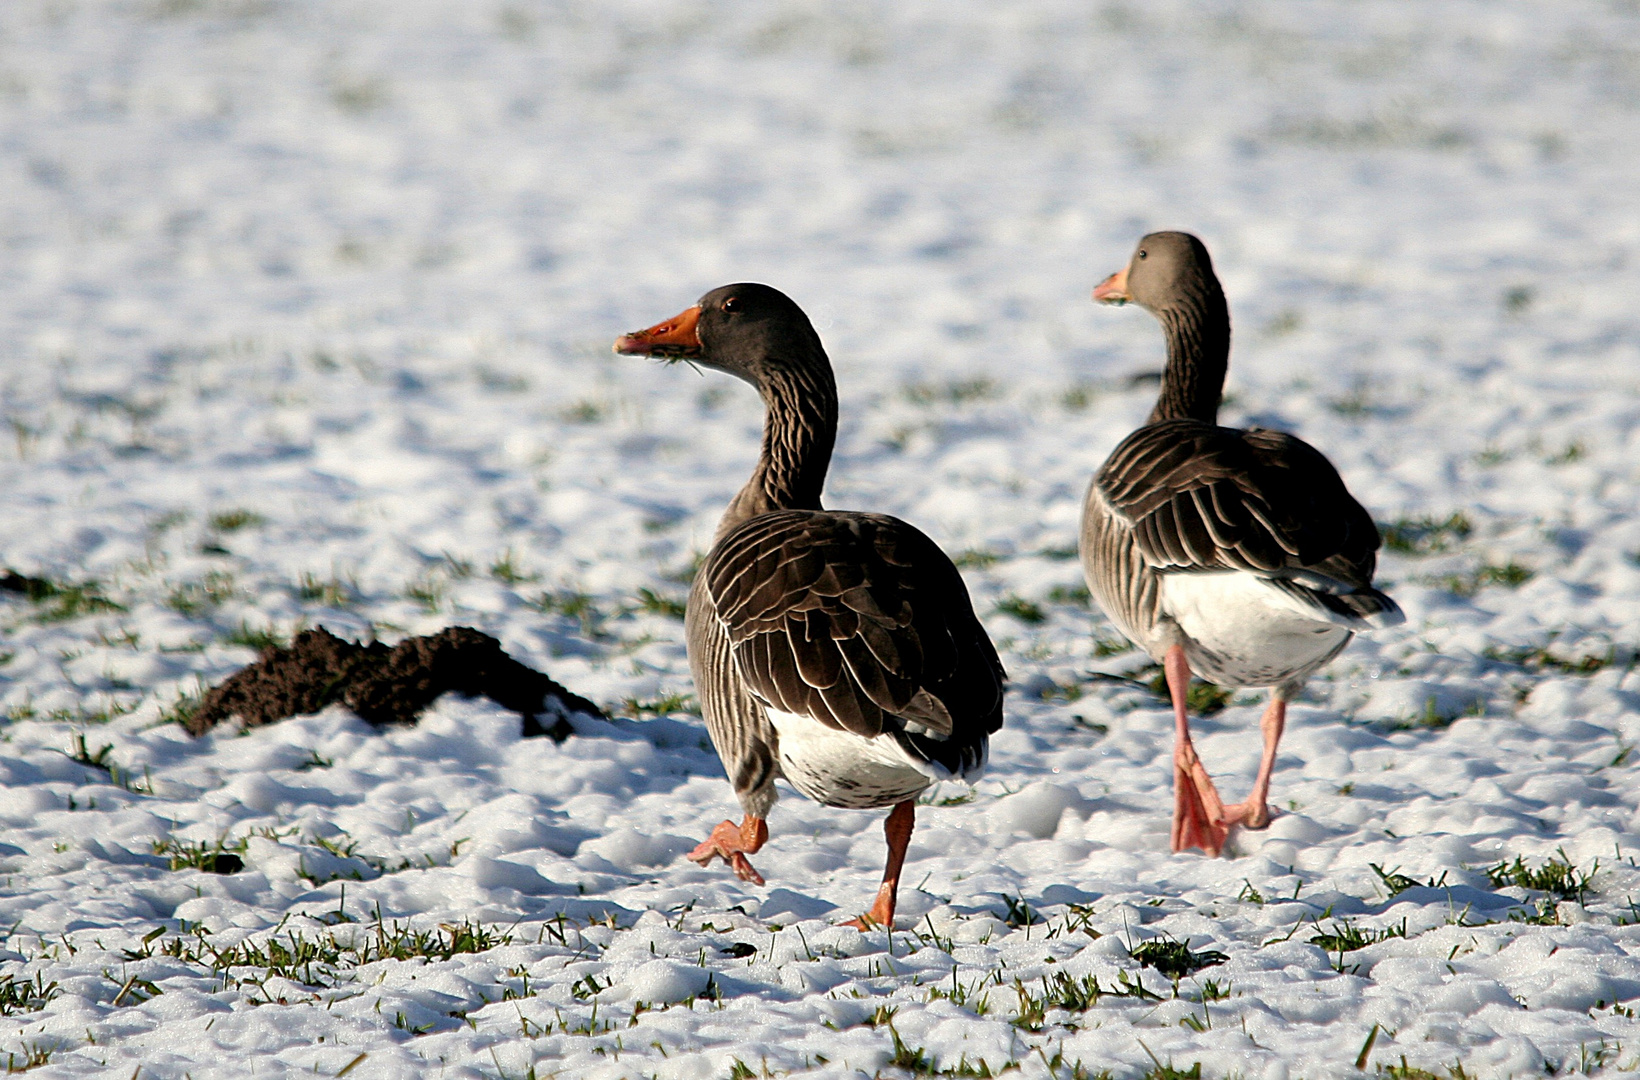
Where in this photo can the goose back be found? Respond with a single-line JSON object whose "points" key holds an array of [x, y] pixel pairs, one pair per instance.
{"points": [[1203, 497], [1184, 497], [857, 621]]}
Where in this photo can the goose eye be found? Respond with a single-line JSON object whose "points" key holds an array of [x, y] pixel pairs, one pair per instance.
{"points": [[732, 304], [1143, 253]]}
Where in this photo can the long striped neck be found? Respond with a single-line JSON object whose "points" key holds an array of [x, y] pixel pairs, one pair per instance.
{"points": [[799, 431], [1197, 325]]}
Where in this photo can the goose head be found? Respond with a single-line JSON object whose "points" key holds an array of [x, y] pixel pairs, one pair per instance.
{"points": [[751, 331], [1167, 270]]}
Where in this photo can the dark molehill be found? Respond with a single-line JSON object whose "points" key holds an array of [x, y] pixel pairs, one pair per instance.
{"points": [[388, 685], [33, 588]]}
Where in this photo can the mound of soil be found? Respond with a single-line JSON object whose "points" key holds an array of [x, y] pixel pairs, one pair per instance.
{"points": [[33, 588], [388, 685]]}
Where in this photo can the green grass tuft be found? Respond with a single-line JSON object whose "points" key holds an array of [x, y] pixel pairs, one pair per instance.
{"points": [[1107, 645], [577, 605], [323, 958], [229, 521], [914, 1060], [656, 604], [584, 412], [1433, 718], [34, 1056], [1022, 609], [54, 602], [1557, 877], [1018, 912], [213, 858], [1425, 535], [1347, 937], [1511, 575], [1174, 958], [428, 592], [1066, 694], [1572, 452], [332, 592], [1203, 698], [977, 559], [951, 392], [1169, 1072], [1070, 994], [664, 705], [1078, 396], [1539, 658], [194, 598], [184, 707], [259, 638], [1075, 595], [81, 755], [1403, 1071], [1397, 883], [505, 569], [25, 995]]}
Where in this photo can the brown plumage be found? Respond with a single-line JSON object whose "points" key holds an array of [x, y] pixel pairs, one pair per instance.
{"points": [[1238, 554], [836, 649], [1199, 497], [856, 620]]}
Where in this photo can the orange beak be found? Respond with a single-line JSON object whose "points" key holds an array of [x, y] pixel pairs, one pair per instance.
{"points": [[675, 337], [1113, 290]]}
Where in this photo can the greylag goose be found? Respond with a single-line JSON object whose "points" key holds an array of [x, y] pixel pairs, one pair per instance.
{"points": [[833, 648], [1235, 554]]}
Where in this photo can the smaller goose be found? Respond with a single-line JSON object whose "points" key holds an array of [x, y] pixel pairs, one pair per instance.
{"points": [[1235, 554], [835, 649]]}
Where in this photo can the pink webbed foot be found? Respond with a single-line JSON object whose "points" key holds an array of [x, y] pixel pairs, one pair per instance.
{"points": [[731, 842], [1195, 822]]}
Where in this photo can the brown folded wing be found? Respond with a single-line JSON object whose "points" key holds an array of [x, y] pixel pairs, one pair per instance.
{"points": [[857, 620], [1202, 497]]}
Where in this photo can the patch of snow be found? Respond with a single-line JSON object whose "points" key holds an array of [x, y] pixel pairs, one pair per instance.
{"points": [[307, 314]]}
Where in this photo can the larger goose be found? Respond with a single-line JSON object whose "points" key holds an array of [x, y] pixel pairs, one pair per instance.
{"points": [[1236, 554], [834, 648]]}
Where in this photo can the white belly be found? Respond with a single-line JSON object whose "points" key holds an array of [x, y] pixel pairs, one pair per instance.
{"points": [[838, 768], [1240, 631]]}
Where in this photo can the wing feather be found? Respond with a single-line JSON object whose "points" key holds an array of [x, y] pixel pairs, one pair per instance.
{"points": [[856, 619], [818, 661], [1200, 497]]}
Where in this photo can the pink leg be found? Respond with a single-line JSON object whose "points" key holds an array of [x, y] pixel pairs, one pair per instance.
{"points": [[1255, 812], [732, 842], [901, 820], [1198, 813]]}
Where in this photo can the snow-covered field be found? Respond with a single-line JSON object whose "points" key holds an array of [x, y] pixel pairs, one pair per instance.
{"points": [[305, 312]]}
